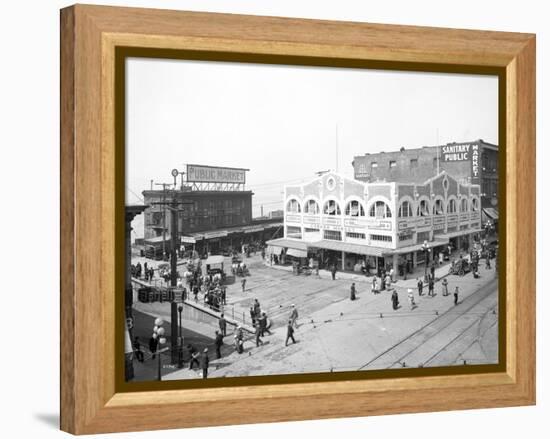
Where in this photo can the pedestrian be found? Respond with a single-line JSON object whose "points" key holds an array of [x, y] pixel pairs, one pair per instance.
{"points": [[382, 279], [395, 300], [137, 350], [352, 291], [252, 315], [410, 296], [239, 343], [258, 333], [257, 308], [431, 286], [294, 316], [153, 344], [333, 271], [243, 284], [456, 296], [138, 270], [289, 333], [218, 342], [487, 262], [374, 280], [204, 363], [388, 282], [432, 270], [263, 324], [193, 356], [392, 275], [224, 295], [444, 287], [223, 325], [440, 258], [420, 285]]}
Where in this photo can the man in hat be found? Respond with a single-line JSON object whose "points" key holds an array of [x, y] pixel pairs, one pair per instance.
{"points": [[289, 333], [263, 324], [420, 285], [223, 325], [204, 363], [456, 296], [258, 333]]}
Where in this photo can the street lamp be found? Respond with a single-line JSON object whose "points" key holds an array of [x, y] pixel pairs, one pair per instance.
{"points": [[180, 340], [426, 249], [158, 334]]}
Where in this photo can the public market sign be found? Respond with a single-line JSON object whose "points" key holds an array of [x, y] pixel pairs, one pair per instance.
{"points": [[214, 174]]}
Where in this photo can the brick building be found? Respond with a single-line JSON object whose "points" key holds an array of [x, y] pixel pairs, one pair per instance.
{"points": [[473, 162]]}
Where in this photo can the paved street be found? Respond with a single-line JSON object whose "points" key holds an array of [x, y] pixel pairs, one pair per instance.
{"points": [[336, 334]]}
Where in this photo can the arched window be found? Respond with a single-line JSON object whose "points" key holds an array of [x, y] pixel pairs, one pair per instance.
{"points": [[293, 206], [354, 208], [438, 207], [311, 207], [451, 206], [405, 210], [464, 205], [331, 208], [475, 205], [423, 208], [379, 209]]}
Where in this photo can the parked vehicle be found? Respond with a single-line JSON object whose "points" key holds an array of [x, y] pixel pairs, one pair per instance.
{"points": [[460, 267], [215, 266]]}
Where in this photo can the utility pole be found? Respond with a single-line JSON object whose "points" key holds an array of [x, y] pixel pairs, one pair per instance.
{"points": [[164, 186]]}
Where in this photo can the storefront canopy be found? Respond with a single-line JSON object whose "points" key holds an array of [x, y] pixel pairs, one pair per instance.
{"points": [[491, 213], [417, 247], [348, 248], [274, 250], [297, 253], [288, 243]]}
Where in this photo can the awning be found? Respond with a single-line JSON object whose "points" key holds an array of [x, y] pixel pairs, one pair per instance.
{"points": [[156, 240], [253, 229], [491, 213], [288, 243], [349, 248], [274, 250], [297, 253], [441, 240]]}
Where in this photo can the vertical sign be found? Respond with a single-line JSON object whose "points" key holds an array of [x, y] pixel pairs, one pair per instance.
{"points": [[475, 163]]}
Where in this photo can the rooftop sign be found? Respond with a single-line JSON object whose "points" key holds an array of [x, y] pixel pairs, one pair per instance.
{"points": [[214, 174]]}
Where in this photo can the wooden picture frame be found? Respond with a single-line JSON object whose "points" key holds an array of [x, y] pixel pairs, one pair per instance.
{"points": [[91, 401]]}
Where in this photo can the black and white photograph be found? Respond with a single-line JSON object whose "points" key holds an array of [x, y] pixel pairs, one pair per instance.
{"points": [[289, 219]]}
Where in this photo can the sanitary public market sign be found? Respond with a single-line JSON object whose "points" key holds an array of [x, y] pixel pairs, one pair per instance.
{"points": [[456, 153], [214, 174]]}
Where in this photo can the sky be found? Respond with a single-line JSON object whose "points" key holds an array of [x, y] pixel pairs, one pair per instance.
{"points": [[285, 123]]}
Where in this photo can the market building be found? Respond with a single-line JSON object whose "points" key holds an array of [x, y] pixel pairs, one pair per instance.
{"points": [[334, 220], [474, 162], [214, 212]]}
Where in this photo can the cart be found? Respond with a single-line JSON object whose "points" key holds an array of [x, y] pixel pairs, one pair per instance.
{"points": [[460, 267]]}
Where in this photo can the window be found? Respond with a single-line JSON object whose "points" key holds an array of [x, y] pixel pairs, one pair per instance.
{"points": [[380, 209], [451, 206], [414, 163], [423, 208], [334, 235], [464, 205], [355, 235], [438, 207], [354, 208], [308, 230], [393, 163], [374, 165], [475, 205], [331, 208], [294, 232], [405, 237], [405, 210], [311, 207], [293, 206], [381, 238]]}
